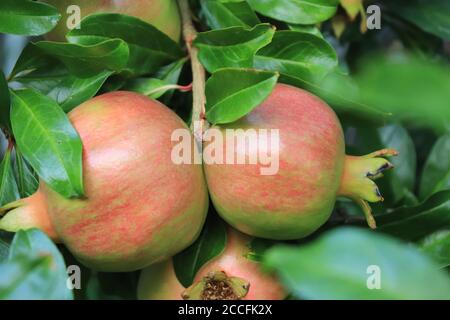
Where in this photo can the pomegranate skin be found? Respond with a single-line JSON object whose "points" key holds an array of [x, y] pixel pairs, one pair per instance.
{"points": [[140, 207], [159, 282], [163, 14], [299, 198]]}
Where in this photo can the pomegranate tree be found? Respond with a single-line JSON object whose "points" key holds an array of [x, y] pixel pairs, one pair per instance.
{"points": [[140, 207], [230, 276], [313, 170], [163, 14]]}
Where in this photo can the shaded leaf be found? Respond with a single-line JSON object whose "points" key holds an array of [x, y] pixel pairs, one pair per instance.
{"points": [[48, 141], [414, 223], [91, 59], [430, 15], [8, 186], [209, 245], [27, 181], [149, 48], [341, 264], [436, 172], [5, 103], [437, 245]]}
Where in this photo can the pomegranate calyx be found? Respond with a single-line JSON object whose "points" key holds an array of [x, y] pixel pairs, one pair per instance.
{"points": [[357, 181], [25, 214], [217, 286]]}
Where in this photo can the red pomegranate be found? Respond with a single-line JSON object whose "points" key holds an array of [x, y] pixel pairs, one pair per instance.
{"points": [[230, 276], [312, 170], [140, 207]]}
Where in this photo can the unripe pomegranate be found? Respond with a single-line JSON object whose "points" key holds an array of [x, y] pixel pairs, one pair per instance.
{"points": [[163, 14], [230, 276], [140, 207], [312, 170]]}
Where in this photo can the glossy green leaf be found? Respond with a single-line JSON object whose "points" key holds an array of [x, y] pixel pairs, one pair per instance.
{"points": [[5, 102], [437, 245], [245, 89], [412, 89], [233, 47], [228, 14], [152, 87], [430, 15], [27, 17], [91, 59], [209, 245], [27, 181], [48, 141], [35, 269], [4, 250], [414, 223], [436, 172], [297, 54], [312, 29], [296, 11], [344, 264], [149, 47], [8, 186], [44, 73]]}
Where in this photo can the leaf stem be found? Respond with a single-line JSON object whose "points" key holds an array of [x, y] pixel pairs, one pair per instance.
{"points": [[198, 73]]}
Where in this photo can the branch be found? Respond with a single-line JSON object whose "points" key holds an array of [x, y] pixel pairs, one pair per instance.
{"points": [[198, 74]]}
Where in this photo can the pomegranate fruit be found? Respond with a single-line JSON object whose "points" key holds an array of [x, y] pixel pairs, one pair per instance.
{"points": [[163, 14], [312, 171], [230, 276], [140, 207]]}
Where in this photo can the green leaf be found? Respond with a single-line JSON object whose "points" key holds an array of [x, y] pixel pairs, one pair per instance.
{"points": [[414, 223], [149, 47], [152, 87], [233, 47], [48, 141], [4, 250], [5, 103], [35, 269], [437, 245], [436, 172], [44, 73], [27, 17], [209, 245], [400, 85], [296, 11], [258, 247], [341, 264], [297, 54], [8, 186], [233, 93], [27, 181], [228, 14], [91, 59], [429, 15], [312, 29]]}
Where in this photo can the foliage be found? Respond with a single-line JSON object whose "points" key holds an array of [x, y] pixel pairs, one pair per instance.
{"points": [[389, 88]]}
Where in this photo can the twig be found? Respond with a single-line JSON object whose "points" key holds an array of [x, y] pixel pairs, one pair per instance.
{"points": [[198, 74]]}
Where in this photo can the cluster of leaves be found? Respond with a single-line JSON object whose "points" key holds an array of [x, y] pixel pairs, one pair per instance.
{"points": [[396, 100]]}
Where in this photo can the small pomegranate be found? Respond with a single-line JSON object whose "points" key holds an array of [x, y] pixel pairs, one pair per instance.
{"points": [[230, 276], [140, 207], [163, 14], [312, 171]]}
